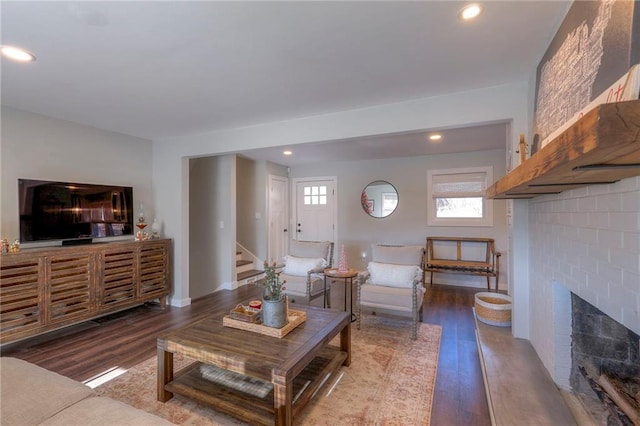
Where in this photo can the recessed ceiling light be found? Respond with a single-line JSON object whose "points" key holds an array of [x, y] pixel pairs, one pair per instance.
{"points": [[470, 11], [287, 152], [435, 137], [17, 54]]}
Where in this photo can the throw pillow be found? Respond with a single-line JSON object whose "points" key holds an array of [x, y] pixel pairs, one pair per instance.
{"points": [[392, 275], [299, 266]]}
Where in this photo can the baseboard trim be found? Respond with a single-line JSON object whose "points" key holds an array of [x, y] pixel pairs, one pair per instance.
{"points": [[180, 303]]}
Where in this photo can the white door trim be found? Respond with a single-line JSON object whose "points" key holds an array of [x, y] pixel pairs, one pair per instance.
{"points": [[294, 203]]}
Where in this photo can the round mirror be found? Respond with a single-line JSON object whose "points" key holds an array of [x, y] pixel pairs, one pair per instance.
{"points": [[379, 199]]}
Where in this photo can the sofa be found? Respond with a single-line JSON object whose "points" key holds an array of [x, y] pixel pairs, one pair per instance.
{"points": [[32, 395]]}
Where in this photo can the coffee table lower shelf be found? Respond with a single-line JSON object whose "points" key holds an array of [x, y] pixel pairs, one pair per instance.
{"points": [[189, 382]]}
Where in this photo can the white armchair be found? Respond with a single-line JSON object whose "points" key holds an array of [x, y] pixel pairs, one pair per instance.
{"points": [[303, 269], [394, 281]]}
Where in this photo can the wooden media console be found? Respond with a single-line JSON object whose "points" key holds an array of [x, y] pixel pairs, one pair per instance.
{"points": [[43, 289]]}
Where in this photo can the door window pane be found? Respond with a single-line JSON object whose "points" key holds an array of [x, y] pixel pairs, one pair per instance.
{"points": [[315, 195]]}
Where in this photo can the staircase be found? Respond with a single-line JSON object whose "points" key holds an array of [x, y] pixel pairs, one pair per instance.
{"points": [[245, 272]]}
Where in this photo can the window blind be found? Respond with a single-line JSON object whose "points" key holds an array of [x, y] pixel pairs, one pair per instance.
{"points": [[459, 185]]}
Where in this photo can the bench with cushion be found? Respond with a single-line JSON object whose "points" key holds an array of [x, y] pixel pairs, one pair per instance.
{"points": [[460, 255]]}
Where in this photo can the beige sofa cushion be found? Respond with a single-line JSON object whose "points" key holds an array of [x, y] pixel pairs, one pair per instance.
{"points": [[30, 394], [99, 411]]}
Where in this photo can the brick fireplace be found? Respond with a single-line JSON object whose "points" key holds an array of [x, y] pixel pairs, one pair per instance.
{"points": [[606, 347], [584, 242]]}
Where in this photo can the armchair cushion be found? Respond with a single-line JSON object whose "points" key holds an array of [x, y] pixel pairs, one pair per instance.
{"points": [[297, 286], [392, 275], [391, 298], [311, 249], [299, 266]]}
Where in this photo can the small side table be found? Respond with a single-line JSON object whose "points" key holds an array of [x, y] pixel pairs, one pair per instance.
{"points": [[346, 277]]}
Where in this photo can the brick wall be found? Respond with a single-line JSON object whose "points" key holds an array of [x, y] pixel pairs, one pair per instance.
{"points": [[588, 241]]}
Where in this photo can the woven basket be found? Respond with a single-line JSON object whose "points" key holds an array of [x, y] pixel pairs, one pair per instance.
{"points": [[493, 309]]}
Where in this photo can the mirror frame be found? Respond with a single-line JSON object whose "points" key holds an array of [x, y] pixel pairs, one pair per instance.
{"points": [[368, 205]]}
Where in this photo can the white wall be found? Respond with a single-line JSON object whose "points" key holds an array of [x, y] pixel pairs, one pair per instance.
{"points": [[38, 147], [212, 219], [505, 102], [250, 200], [408, 224], [588, 241]]}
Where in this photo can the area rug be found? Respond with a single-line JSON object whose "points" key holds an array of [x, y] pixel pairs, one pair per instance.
{"points": [[391, 381]]}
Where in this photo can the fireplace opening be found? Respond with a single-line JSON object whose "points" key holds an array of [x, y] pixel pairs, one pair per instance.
{"points": [[605, 365]]}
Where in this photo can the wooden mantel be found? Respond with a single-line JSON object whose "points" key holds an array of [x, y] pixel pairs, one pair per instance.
{"points": [[602, 147]]}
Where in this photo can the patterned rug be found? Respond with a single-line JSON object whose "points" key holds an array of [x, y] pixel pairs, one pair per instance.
{"points": [[391, 381]]}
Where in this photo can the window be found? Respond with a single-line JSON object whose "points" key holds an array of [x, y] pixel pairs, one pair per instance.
{"points": [[389, 203], [456, 197], [314, 195]]}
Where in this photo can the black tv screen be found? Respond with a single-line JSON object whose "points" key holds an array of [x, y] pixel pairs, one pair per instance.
{"points": [[66, 211]]}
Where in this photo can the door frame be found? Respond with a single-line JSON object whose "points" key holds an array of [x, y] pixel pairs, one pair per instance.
{"points": [[294, 202], [286, 209]]}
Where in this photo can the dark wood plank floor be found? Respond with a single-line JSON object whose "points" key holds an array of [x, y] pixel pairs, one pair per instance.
{"points": [[128, 338]]}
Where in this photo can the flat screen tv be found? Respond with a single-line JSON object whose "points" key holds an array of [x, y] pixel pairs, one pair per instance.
{"points": [[73, 211]]}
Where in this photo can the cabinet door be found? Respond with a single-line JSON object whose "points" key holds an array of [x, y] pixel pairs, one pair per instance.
{"points": [[154, 270], [70, 286], [118, 272], [20, 292]]}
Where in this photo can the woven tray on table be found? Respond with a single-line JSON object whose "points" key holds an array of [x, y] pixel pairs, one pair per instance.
{"points": [[295, 318]]}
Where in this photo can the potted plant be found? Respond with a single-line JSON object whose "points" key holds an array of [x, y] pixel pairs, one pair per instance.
{"points": [[274, 305]]}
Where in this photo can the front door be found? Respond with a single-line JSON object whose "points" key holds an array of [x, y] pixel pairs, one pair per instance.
{"points": [[315, 213]]}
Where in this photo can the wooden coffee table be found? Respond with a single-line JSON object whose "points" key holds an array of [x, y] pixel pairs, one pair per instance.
{"points": [[295, 365]]}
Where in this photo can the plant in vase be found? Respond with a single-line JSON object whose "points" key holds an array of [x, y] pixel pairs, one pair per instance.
{"points": [[274, 305]]}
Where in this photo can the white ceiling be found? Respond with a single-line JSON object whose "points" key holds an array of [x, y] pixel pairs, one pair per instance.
{"points": [[461, 139], [166, 69]]}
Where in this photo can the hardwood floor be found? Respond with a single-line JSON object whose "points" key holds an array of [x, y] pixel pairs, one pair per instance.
{"points": [[460, 396], [125, 339]]}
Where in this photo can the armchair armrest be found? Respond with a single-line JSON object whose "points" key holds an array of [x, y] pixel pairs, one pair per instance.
{"points": [[419, 279], [363, 276], [317, 270]]}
